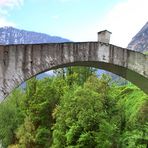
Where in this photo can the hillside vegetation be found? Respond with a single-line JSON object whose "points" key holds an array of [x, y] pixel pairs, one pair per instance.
{"points": [[75, 109]]}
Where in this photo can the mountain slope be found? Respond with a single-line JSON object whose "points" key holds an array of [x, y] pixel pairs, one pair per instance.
{"points": [[140, 40], [10, 35]]}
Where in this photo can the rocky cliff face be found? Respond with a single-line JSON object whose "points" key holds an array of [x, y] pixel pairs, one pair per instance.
{"points": [[10, 35], [140, 40]]}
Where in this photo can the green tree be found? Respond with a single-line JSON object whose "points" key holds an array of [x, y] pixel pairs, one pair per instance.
{"points": [[80, 118], [133, 106], [41, 98], [76, 74], [11, 117]]}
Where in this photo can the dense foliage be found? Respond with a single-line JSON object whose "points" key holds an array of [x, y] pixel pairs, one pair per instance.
{"points": [[75, 109]]}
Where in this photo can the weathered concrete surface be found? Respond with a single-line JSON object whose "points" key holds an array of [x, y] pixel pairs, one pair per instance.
{"points": [[20, 62]]}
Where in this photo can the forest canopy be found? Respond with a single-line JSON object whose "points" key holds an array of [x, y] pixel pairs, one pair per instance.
{"points": [[76, 109]]}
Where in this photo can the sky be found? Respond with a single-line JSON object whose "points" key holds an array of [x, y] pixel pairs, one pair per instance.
{"points": [[77, 20]]}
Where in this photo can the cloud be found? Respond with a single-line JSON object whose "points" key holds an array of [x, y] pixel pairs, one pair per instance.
{"points": [[125, 20], [10, 3], [5, 7]]}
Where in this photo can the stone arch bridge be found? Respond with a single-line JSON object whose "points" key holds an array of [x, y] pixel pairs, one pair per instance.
{"points": [[21, 62]]}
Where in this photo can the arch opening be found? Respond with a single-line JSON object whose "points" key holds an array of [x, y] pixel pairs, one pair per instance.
{"points": [[129, 75], [133, 77]]}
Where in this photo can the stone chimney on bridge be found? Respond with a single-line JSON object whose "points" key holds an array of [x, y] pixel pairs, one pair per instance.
{"points": [[104, 36]]}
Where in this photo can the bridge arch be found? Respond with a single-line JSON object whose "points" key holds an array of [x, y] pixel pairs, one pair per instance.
{"points": [[19, 63]]}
